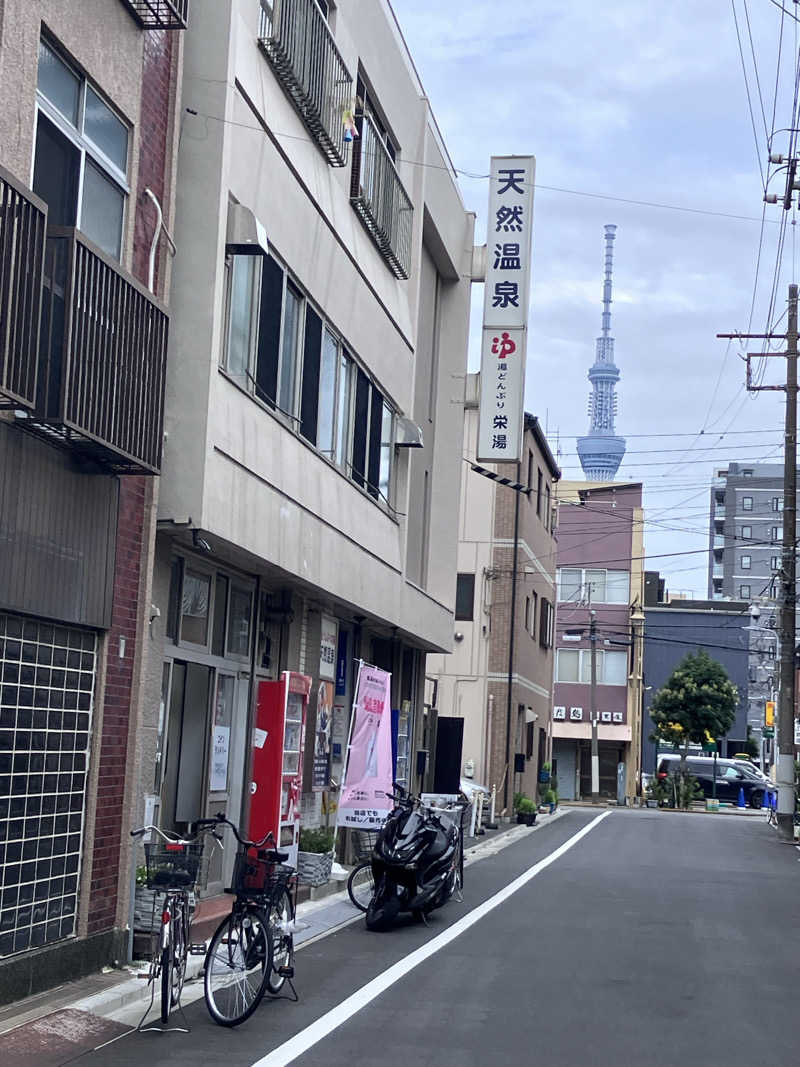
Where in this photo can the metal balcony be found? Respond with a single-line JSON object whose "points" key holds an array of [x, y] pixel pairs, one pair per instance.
{"points": [[23, 222], [377, 194], [296, 40], [159, 14], [103, 359]]}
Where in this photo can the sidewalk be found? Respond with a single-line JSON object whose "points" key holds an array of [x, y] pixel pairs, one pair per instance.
{"points": [[50, 1028]]}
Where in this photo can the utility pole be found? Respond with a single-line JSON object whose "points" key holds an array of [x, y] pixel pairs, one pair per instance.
{"points": [[786, 797], [593, 708], [788, 606]]}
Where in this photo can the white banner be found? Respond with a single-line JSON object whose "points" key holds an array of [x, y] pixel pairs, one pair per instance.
{"points": [[329, 636], [505, 309]]}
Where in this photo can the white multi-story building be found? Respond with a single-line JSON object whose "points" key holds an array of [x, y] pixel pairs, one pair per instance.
{"points": [[314, 403]]}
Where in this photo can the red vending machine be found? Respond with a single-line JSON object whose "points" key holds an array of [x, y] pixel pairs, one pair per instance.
{"points": [[278, 738]]}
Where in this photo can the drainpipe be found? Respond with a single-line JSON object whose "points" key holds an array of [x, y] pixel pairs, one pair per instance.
{"points": [[151, 265]]}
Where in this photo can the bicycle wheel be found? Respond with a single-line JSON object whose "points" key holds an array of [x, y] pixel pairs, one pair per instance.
{"points": [[361, 885], [281, 913], [238, 966], [167, 957]]}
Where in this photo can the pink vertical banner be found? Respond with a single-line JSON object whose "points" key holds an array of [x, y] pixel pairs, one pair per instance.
{"points": [[363, 801]]}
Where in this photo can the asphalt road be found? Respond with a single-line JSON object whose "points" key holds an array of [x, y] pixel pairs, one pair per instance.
{"points": [[655, 937]]}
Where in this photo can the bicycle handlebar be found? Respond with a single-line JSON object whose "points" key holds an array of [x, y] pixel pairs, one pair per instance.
{"points": [[220, 819]]}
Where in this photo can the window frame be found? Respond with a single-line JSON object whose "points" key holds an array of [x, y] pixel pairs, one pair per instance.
{"points": [[344, 393], [745, 561], [583, 583], [82, 142], [747, 533], [460, 584], [744, 592], [747, 503], [584, 667]]}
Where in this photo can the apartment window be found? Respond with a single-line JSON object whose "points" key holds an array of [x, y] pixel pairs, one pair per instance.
{"points": [[575, 665], [546, 614], [747, 503], [539, 482], [744, 562], [465, 597], [365, 105], [546, 516], [747, 532], [777, 503], [776, 533], [744, 592], [81, 161], [599, 586], [775, 563], [282, 350], [530, 471], [747, 474], [534, 611]]}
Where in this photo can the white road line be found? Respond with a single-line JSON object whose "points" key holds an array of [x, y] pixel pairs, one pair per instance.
{"points": [[306, 1039]]}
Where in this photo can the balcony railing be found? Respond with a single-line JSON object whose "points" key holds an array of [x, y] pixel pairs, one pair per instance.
{"points": [[159, 14], [301, 50], [378, 196], [103, 358], [23, 221]]}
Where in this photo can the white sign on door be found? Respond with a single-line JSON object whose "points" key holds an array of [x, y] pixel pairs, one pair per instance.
{"points": [[219, 758]]}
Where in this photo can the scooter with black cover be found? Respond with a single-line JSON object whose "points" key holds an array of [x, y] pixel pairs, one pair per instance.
{"points": [[417, 862]]}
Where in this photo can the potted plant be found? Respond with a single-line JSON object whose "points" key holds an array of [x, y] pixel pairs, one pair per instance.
{"points": [[526, 811], [315, 856], [551, 799], [544, 773]]}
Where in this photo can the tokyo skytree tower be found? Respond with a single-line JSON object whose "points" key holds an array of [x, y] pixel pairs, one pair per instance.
{"points": [[601, 451]]}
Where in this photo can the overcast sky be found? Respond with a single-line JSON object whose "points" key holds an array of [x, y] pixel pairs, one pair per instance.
{"points": [[640, 102]]}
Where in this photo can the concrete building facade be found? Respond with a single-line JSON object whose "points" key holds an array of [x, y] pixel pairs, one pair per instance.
{"points": [[746, 534], [88, 134], [314, 406], [600, 553], [473, 681]]}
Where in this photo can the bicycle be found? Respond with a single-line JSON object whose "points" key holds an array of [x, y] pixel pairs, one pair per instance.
{"points": [[172, 869], [252, 950], [361, 883]]}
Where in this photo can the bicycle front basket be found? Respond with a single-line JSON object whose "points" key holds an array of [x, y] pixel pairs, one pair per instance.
{"points": [[172, 865]]}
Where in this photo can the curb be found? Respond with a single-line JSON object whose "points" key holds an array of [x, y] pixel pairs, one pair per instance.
{"points": [[136, 991]]}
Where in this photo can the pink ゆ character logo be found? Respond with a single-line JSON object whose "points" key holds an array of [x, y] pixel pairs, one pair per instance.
{"points": [[503, 346]]}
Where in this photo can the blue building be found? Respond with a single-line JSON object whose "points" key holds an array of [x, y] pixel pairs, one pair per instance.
{"points": [[672, 630]]}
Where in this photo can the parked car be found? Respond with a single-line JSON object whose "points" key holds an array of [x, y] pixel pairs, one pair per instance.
{"points": [[732, 775]]}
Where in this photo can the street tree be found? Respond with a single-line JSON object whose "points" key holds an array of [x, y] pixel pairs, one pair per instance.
{"points": [[697, 704]]}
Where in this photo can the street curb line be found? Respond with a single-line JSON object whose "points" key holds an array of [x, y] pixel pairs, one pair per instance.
{"points": [[136, 991]]}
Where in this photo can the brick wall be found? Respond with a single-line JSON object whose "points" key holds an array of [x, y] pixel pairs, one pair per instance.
{"points": [[158, 89], [133, 548]]}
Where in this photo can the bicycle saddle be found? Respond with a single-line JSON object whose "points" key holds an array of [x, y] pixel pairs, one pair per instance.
{"points": [[272, 855]]}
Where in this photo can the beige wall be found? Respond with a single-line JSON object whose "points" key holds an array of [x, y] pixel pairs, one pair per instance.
{"points": [[474, 677], [231, 465]]}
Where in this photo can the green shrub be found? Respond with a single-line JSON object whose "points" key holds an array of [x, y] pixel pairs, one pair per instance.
{"points": [[517, 798], [525, 806], [319, 840]]}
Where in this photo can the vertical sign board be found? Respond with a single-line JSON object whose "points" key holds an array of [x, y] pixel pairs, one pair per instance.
{"points": [[505, 309]]}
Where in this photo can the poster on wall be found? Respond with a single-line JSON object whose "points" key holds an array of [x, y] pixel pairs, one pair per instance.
{"points": [[328, 642], [338, 733], [219, 758], [321, 768], [364, 802]]}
